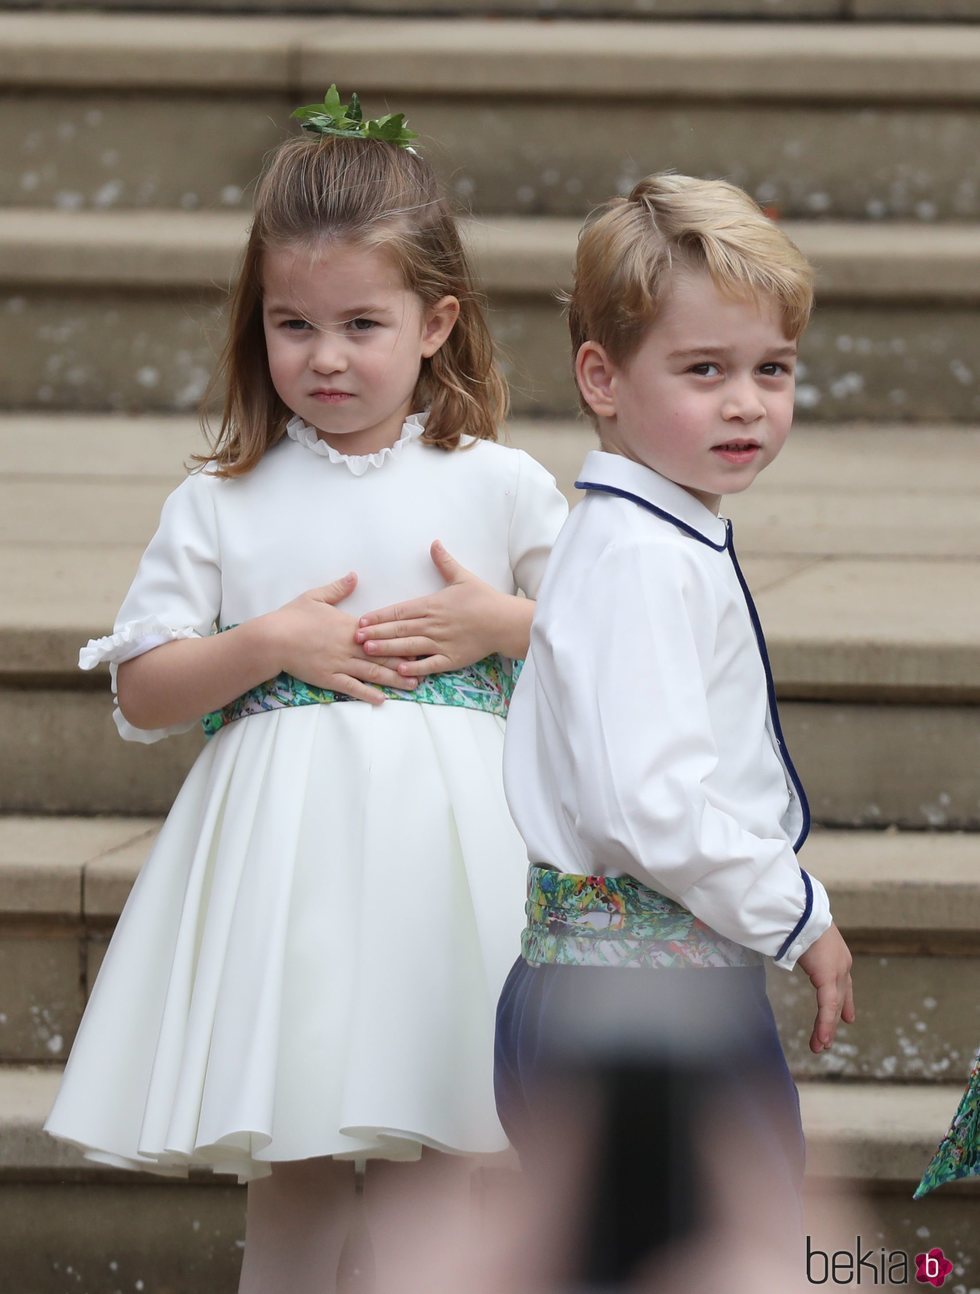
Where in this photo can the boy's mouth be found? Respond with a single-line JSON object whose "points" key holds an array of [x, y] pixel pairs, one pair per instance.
{"points": [[737, 451]]}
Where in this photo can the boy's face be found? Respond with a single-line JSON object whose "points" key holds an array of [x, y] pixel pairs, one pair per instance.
{"points": [[707, 399]]}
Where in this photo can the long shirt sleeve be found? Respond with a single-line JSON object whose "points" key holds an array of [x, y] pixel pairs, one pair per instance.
{"points": [[640, 739]]}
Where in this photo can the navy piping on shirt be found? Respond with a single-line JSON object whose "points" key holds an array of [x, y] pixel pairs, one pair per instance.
{"points": [[729, 545], [652, 507]]}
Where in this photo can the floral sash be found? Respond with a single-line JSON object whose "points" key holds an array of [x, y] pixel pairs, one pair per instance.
{"points": [[486, 685], [617, 921]]}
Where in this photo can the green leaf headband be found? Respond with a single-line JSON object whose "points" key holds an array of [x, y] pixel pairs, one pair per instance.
{"points": [[331, 117]]}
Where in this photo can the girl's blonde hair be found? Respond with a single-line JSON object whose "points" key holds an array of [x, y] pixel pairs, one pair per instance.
{"points": [[363, 193], [629, 246]]}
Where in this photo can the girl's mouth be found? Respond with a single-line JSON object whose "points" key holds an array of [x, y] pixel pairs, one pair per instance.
{"points": [[331, 397]]}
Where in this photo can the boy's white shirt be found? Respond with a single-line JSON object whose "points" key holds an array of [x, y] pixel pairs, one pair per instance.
{"points": [[639, 738]]}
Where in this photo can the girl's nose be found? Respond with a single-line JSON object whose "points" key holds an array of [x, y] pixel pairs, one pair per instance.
{"points": [[327, 354]]}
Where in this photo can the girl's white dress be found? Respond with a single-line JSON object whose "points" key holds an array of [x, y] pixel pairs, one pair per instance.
{"points": [[310, 959]]}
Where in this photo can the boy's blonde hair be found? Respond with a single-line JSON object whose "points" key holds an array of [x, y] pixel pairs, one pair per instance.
{"points": [[362, 193], [629, 246]]}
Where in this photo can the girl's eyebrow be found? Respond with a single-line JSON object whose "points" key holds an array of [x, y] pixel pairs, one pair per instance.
{"points": [[355, 311], [351, 312], [278, 308]]}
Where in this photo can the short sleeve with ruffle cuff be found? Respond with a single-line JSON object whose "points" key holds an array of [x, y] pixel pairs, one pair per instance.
{"points": [[129, 641], [176, 592]]}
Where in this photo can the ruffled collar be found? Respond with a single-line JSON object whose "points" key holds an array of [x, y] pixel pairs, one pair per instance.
{"points": [[357, 464]]}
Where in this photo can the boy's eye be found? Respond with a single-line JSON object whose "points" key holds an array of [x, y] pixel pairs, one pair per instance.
{"points": [[776, 369], [705, 369]]}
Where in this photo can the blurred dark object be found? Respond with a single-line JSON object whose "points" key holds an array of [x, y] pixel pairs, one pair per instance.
{"points": [[628, 1093]]}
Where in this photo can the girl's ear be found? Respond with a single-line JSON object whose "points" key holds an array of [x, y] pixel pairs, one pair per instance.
{"points": [[440, 319], [595, 373]]}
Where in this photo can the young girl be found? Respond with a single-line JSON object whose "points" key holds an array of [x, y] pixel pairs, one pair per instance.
{"points": [[307, 970]]}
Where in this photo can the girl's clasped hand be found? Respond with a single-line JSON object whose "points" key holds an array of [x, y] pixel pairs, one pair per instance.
{"points": [[397, 645], [319, 645], [448, 630]]}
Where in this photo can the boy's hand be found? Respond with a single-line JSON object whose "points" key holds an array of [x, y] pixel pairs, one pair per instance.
{"points": [[314, 641], [828, 964], [460, 624]]}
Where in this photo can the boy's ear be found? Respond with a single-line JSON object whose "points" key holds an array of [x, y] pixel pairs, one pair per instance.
{"points": [[594, 373], [440, 319]]}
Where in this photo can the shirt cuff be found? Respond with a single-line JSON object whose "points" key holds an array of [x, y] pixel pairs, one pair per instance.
{"points": [[815, 920]]}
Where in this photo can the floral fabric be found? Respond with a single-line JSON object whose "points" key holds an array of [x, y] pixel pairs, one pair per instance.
{"points": [[617, 921], [958, 1154], [486, 685]]}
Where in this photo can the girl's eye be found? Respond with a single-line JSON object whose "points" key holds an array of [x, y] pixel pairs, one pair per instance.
{"points": [[295, 325], [361, 325]]}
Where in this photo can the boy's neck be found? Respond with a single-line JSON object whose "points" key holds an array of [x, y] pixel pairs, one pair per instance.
{"points": [[710, 501]]}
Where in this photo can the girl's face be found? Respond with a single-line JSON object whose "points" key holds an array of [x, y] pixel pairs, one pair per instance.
{"points": [[346, 340]]}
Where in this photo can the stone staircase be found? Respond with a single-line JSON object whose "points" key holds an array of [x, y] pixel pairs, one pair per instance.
{"points": [[648, 10], [131, 141], [132, 204]]}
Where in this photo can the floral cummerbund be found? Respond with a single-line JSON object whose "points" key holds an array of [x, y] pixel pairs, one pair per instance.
{"points": [[486, 685], [617, 921]]}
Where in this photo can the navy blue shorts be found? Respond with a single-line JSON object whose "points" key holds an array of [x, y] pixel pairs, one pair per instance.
{"points": [[713, 1027]]}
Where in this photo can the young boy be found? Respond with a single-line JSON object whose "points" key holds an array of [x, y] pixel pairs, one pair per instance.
{"points": [[644, 761]]}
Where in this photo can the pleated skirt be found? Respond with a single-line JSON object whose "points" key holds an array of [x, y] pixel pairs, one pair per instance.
{"points": [[310, 960]]}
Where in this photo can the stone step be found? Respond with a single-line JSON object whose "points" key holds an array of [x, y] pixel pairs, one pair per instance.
{"points": [[72, 1225], [645, 10], [867, 1145], [122, 310], [864, 765], [849, 120], [908, 903], [63, 882], [921, 10], [81, 495], [873, 627]]}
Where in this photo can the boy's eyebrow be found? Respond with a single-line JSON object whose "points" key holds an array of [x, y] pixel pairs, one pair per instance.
{"points": [[778, 352]]}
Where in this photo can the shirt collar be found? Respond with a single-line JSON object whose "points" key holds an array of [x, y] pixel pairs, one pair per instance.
{"points": [[614, 474]]}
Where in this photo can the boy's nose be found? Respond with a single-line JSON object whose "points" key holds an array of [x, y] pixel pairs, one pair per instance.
{"points": [[742, 402]]}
